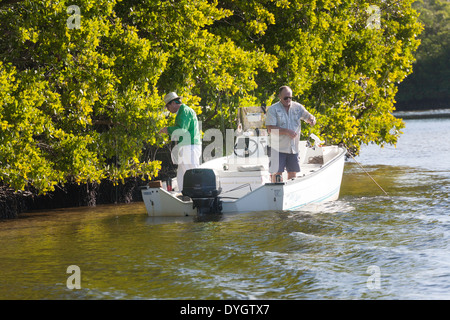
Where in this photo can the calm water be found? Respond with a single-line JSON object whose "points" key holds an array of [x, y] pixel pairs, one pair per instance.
{"points": [[364, 246]]}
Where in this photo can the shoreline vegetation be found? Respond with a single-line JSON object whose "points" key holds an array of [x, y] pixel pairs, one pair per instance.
{"points": [[429, 84], [423, 114], [81, 87], [13, 203]]}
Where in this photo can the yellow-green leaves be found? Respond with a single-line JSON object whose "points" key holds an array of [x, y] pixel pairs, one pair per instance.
{"points": [[76, 104], [339, 66], [83, 104]]}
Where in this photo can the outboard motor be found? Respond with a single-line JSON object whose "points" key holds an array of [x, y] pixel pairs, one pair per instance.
{"points": [[203, 187]]}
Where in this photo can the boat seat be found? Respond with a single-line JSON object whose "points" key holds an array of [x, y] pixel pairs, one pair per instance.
{"points": [[250, 168]]}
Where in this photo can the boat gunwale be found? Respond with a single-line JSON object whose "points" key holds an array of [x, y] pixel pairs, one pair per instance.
{"points": [[342, 152]]}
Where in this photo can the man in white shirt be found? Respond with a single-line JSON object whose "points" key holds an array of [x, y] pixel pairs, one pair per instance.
{"points": [[283, 120]]}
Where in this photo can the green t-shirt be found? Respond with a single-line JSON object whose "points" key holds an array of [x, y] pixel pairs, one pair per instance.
{"points": [[186, 120]]}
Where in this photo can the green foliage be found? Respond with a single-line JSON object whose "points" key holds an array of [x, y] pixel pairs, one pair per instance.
{"points": [[76, 104], [340, 68], [209, 71], [81, 104]]}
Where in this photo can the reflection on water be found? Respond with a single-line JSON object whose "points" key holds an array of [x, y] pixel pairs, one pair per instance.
{"points": [[324, 251]]}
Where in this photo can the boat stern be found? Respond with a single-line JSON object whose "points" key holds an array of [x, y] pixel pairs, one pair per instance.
{"points": [[160, 202]]}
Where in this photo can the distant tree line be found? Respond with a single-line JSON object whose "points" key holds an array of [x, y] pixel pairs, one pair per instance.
{"points": [[428, 86]]}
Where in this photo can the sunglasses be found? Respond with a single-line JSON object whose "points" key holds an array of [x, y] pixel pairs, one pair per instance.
{"points": [[286, 98]]}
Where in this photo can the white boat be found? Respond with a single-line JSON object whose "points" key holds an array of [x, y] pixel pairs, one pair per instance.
{"points": [[240, 182]]}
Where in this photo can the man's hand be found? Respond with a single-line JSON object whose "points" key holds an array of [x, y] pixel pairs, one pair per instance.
{"points": [[312, 121], [164, 130], [291, 133], [277, 130]]}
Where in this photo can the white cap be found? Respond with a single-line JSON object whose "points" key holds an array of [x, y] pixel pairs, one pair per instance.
{"points": [[170, 96]]}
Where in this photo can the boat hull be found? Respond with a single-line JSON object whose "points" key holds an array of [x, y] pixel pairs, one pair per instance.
{"points": [[160, 203], [318, 184]]}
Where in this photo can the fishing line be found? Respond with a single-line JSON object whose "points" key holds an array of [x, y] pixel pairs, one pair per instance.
{"points": [[367, 173]]}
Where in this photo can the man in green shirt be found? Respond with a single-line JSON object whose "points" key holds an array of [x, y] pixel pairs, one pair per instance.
{"points": [[188, 150]]}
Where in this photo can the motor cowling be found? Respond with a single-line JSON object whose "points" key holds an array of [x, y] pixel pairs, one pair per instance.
{"points": [[202, 185]]}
